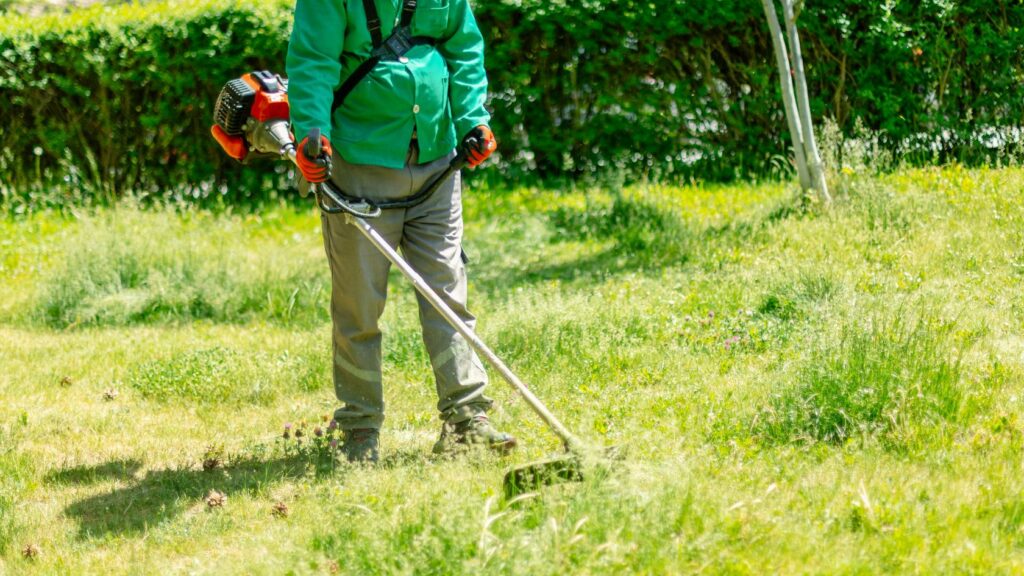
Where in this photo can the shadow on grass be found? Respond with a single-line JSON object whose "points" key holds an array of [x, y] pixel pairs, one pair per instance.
{"points": [[635, 236], [113, 470], [589, 269], [161, 495]]}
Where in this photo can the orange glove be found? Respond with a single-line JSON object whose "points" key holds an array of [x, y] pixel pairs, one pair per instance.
{"points": [[315, 170], [478, 145]]}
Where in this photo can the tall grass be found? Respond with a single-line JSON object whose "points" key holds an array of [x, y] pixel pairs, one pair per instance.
{"points": [[130, 266], [890, 377], [639, 229]]}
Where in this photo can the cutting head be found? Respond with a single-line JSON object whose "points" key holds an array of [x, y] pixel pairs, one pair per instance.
{"points": [[529, 477], [573, 466]]}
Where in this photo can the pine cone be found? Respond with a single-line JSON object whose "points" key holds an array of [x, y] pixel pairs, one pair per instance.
{"points": [[30, 551], [280, 510], [215, 499], [110, 395]]}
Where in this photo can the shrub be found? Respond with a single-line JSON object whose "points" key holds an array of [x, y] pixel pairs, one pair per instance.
{"points": [[120, 98], [665, 87]]}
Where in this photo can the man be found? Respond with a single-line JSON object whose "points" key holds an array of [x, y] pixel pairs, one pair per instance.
{"points": [[385, 135]]}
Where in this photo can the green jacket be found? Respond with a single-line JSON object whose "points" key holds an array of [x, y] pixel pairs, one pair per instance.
{"points": [[440, 91]]}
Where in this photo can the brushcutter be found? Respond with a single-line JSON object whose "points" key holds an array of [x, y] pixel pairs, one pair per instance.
{"points": [[252, 121]]}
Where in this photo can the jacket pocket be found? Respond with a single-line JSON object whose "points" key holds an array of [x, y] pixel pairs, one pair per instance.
{"points": [[430, 21]]}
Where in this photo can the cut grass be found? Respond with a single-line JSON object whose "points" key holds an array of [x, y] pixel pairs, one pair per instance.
{"points": [[15, 473], [227, 376], [797, 390]]}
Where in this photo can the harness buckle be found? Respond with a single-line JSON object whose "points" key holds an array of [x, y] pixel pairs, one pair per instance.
{"points": [[395, 46]]}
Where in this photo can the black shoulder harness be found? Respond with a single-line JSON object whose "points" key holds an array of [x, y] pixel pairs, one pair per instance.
{"points": [[393, 47]]}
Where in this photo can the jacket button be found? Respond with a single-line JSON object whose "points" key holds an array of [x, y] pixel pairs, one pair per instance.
{"points": [[416, 109]]}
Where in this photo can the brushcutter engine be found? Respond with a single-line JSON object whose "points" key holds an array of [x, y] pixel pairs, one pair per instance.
{"points": [[251, 122], [251, 118]]}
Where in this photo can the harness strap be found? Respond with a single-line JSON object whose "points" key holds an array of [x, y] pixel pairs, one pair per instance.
{"points": [[394, 47], [408, 9], [350, 83], [373, 22]]}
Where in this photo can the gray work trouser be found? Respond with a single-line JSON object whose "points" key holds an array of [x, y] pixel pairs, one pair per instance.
{"points": [[430, 239]]}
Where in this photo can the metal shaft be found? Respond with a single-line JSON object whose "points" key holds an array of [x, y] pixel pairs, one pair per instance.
{"points": [[570, 441]]}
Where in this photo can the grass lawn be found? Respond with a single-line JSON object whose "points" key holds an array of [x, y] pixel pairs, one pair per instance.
{"points": [[797, 389]]}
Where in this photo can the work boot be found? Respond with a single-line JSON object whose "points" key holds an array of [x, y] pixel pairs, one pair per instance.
{"points": [[361, 445], [477, 431]]}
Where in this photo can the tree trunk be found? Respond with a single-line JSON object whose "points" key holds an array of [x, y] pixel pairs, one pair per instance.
{"points": [[788, 100], [803, 101]]}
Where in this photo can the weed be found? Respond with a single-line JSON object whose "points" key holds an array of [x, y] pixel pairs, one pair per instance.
{"points": [[881, 211], [888, 377], [215, 499], [213, 457], [279, 510], [31, 551], [791, 299]]}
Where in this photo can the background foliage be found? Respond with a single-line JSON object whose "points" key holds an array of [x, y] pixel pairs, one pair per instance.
{"points": [[119, 98]]}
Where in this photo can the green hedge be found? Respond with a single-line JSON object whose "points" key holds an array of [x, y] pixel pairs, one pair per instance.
{"points": [[114, 99], [119, 99], [655, 85]]}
